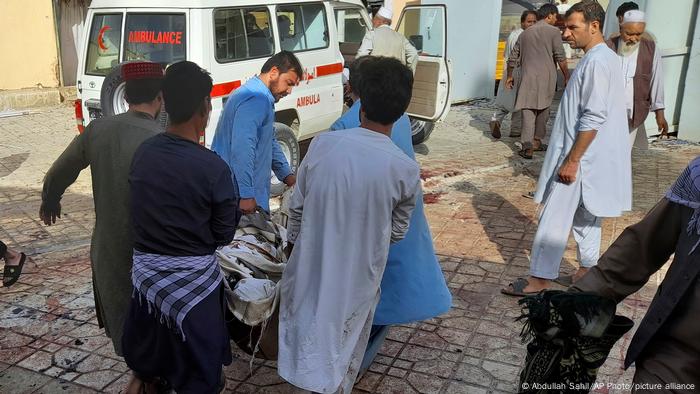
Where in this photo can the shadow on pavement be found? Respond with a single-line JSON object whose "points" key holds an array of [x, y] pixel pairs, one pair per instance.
{"points": [[10, 164], [22, 230], [480, 113]]}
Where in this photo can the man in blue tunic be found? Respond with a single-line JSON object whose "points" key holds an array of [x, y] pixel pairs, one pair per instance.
{"points": [[245, 135], [413, 287]]}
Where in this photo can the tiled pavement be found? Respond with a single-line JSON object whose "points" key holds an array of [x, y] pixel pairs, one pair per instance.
{"points": [[482, 227]]}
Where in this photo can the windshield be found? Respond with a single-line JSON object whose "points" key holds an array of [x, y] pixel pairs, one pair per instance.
{"points": [[158, 38]]}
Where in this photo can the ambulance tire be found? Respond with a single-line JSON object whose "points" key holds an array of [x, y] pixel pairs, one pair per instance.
{"points": [[420, 130], [290, 146], [113, 85]]}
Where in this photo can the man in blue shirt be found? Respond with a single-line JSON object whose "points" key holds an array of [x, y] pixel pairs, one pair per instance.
{"points": [[245, 135]]}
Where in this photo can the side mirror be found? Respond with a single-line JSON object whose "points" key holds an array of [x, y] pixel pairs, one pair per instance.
{"points": [[417, 41]]}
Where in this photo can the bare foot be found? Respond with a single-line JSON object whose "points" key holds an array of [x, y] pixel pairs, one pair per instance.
{"points": [[12, 258], [537, 284], [135, 386], [580, 273]]}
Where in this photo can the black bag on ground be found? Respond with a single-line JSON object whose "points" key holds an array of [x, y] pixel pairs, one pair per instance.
{"points": [[570, 336]]}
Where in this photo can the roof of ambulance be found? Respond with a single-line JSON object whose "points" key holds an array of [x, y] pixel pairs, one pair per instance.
{"points": [[201, 3]]}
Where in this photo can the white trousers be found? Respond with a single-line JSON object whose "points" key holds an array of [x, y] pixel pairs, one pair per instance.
{"points": [[562, 212]]}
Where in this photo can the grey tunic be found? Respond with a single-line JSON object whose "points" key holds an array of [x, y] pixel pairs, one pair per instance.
{"points": [[107, 146], [537, 51], [666, 346]]}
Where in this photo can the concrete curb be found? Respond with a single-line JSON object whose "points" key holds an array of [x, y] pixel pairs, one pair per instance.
{"points": [[35, 98]]}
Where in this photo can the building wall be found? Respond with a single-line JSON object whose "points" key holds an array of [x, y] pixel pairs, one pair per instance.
{"points": [[689, 125], [28, 54]]}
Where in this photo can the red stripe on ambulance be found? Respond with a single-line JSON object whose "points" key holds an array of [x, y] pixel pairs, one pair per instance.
{"points": [[329, 69], [224, 89]]}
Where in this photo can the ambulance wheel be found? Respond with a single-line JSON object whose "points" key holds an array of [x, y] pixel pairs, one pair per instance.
{"points": [[112, 95], [290, 147], [420, 130]]}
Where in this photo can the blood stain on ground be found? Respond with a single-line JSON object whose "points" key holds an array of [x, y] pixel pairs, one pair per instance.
{"points": [[432, 198]]}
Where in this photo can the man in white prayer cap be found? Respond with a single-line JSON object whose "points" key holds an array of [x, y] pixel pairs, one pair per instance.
{"points": [[385, 41], [644, 80]]}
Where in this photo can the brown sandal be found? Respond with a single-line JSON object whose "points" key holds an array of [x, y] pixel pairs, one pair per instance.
{"points": [[525, 153], [495, 127]]}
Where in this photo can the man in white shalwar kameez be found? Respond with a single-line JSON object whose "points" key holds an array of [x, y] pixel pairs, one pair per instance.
{"points": [[640, 58], [587, 170], [355, 193], [505, 98]]}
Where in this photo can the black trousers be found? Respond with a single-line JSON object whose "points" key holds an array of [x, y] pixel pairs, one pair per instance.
{"points": [[154, 350]]}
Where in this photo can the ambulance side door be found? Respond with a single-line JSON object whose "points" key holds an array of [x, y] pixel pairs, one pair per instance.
{"points": [[425, 26]]}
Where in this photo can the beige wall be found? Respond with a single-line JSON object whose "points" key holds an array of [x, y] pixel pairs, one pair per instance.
{"points": [[28, 54]]}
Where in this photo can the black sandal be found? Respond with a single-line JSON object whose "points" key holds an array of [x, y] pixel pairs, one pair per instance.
{"points": [[517, 288], [11, 273]]}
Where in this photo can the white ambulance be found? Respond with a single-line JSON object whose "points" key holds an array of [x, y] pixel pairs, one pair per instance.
{"points": [[233, 38]]}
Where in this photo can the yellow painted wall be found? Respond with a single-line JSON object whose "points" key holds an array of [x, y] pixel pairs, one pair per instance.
{"points": [[398, 6], [28, 55]]}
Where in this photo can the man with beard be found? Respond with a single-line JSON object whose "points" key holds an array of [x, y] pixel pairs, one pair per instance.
{"points": [[107, 145], [644, 80], [505, 99], [245, 135], [587, 173]]}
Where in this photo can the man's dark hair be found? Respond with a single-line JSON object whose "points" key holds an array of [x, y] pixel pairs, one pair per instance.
{"points": [[284, 61], [355, 77], [592, 11], [185, 87], [546, 10], [385, 89], [624, 7], [139, 91], [526, 13]]}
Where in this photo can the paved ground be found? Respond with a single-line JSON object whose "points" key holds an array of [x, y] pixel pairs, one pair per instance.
{"points": [[481, 224]]}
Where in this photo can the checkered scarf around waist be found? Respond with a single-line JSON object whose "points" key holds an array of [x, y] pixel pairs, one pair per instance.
{"points": [[686, 192], [174, 285]]}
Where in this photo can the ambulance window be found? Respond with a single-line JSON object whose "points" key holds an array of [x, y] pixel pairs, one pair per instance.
{"points": [[104, 44], [424, 27], [242, 33], [159, 38], [302, 27], [351, 25]]}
